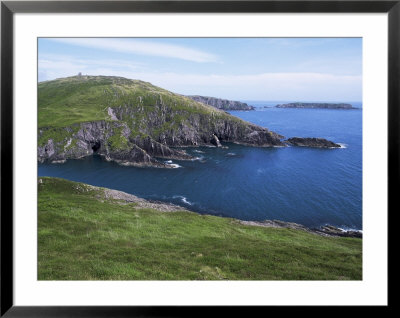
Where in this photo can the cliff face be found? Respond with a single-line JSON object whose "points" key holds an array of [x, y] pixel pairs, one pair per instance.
{"points": [[223, 104], [132, 122], [113, 140]]}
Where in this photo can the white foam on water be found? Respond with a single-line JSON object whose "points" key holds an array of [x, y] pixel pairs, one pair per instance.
{"points": [[186, 201], [183, 199], [261, 171], [342, 146], [170, 164], [174, 165], [349, 229], [198, 151]]}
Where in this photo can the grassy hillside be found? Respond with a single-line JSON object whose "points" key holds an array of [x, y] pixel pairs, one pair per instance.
{"points": [[82, 235], [78, 99]]}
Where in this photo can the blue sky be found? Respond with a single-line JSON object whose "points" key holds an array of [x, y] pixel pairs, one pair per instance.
{"points": [[274, 69]]}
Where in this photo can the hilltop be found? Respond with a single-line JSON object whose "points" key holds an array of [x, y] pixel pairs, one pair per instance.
{"points": [[132, 122]]}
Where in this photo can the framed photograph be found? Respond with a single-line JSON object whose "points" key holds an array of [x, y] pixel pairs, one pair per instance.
{"points": [[162, 155]]}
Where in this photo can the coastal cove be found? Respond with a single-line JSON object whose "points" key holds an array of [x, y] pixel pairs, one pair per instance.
{"points": [[308, 186]]}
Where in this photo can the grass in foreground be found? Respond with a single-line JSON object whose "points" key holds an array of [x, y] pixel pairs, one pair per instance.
{"points": [[84, 237]]}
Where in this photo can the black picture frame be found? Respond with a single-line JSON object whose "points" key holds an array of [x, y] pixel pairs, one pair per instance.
{"points": [[8, 8]]}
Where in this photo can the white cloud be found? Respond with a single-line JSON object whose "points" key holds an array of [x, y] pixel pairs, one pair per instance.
{"points": [[141, 47], [265, 86], [295, 86], [53, 66], [56, 61]]}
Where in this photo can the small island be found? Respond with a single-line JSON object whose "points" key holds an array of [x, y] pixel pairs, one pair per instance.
{"points": [[312, 142], [317, 105]]}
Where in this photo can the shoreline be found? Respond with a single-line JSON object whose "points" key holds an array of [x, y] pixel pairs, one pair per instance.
{"points": [[126, 198], [325, 230], [92, 233]]}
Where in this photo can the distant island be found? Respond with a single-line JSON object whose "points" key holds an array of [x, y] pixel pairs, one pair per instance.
{"points": [[312, 142], [223, 104], [317, 105]]}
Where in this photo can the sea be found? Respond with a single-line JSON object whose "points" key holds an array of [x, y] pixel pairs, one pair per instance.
{"points": [[309, 186]]}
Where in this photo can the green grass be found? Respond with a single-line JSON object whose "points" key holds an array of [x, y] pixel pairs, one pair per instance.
{"points": [[75, 99], [65, 103], [117, 141], [84, 237], [57, 134]]}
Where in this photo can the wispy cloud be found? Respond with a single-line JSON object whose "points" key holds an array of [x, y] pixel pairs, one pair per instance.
{"points": [[142, 47], [56, 61], [263, 86], [296, 86], [53, 66]]}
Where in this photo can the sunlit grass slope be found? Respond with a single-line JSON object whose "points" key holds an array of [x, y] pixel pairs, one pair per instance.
{"points": [[83, 236], [66, 101]]}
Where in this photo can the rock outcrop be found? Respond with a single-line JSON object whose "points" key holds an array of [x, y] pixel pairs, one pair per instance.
{"points": [[317, 105], [312, 142], [223, 104], [335, 231], [215, 141]]}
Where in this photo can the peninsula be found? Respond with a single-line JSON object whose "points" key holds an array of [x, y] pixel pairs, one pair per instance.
{"points": [[223, 104], [132, 122], [136, 123]]}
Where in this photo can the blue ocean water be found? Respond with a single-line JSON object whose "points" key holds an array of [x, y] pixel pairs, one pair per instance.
{"points": [[309, 186]]}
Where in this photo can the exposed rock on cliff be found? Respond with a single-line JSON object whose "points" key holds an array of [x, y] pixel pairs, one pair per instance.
{"points": [[312, 142], [132, 122], [223, 104], [215, 141]]}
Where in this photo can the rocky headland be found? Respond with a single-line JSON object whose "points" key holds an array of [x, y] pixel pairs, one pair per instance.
{"points": [[136, 123], [132, 122], [223, 104], [317, 105]]}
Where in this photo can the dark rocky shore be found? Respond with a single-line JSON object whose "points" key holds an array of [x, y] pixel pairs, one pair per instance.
{"points": [[327, 230], [312, 142]]}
